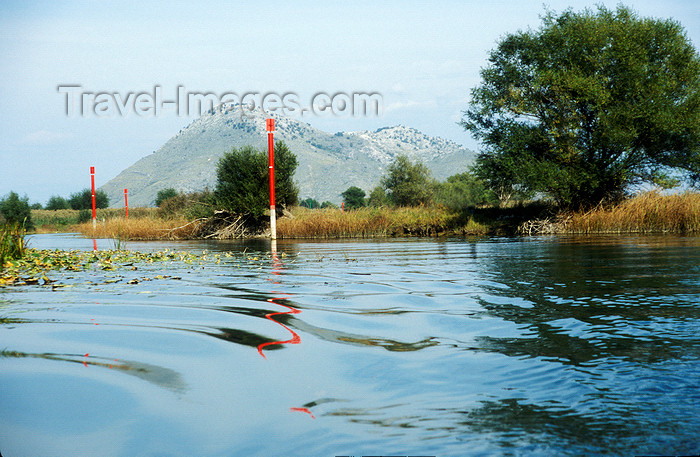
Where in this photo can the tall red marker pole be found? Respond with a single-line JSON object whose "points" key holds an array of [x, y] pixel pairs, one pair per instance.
{"points": [[126, 203], [94, 212], [270, 124]]}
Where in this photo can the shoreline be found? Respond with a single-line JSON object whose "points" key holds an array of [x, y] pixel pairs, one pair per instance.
{"points": [[648, 213]]}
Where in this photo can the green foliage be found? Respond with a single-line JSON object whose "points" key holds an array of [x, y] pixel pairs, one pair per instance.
{"points": [[378, 198], [36, 206], [84, 215], [501, 177], [464, 190], [83, 199], [56, 202], [328, 204], [587, 105], [406, 183], [353, 198], [192, 206], [165, 194], [12, 243], [16, 210], [243, 184], [310, 203]]}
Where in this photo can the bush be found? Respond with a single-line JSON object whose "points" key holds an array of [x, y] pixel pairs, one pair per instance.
{"points": [[378, 197], [328, 204], [191, 206], [310, 203], [353, 198], [242, 185], [84, 215], [56, 202], [16, 210], [165, 194], [83, 199], [464, 190]]}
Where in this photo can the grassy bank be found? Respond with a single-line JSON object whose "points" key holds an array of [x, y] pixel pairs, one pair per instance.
{"points": [[303, 223], [63, 220], [650, 212], [150, 227], [376, 222]]}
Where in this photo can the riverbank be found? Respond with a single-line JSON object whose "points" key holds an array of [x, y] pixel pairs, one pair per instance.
{"points": [[651, 212], [647, 213]]}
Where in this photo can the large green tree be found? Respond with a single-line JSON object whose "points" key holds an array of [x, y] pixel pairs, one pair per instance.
{"points": [[407, 183], [587, 105], [242, 184]]}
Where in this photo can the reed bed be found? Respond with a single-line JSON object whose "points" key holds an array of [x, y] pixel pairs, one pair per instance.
{"points": [[650, 212], [141, 228], [12, 245], [61, 220], [372, 222]]}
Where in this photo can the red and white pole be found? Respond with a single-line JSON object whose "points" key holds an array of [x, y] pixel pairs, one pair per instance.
{"points": [[94, 212], [270, 124], [126, 203]]}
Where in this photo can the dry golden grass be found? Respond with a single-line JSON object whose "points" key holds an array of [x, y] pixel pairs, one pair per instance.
{"points": [[650, 212], [140, 228], [372, 222]]}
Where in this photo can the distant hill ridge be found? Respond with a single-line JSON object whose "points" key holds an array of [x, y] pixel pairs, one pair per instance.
{"points": [[328, 163]]}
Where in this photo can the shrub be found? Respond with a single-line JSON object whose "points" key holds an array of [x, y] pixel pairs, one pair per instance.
{"points": [[56, 202], [194, 205], [242, 180], [83, 199], [378, 197], [165, 194], [310, 203], [353, 198], [16, 210], [462, 191]]}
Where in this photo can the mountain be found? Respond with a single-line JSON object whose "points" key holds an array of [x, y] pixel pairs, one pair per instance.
{"points": [[328, 163]]}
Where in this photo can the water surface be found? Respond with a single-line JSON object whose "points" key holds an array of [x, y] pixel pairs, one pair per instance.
{"points": [[495, 346]]}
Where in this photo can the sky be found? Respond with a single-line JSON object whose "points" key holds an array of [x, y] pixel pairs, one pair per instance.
{"points": [[57, 57]]}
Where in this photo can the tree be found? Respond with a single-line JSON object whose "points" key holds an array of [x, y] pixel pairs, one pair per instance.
{"points": [[406, 183], [378, 197], [353, 197], [328, 204], [165, 194], [587, 105], [57, 202], [16, 210], [242, 180], [83, 199], [310, 203], [464, 190]]}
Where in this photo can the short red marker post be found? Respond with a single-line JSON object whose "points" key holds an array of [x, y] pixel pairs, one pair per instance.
{"points": [[94, 211], [126, 203], [270, 127]]}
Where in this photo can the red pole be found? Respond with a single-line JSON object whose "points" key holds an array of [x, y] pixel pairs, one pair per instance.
{"points": [[94, 212], [270, 124], [126, 203]]}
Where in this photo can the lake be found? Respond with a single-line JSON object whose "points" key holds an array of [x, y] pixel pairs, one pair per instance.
{"points": [[398, 347]]}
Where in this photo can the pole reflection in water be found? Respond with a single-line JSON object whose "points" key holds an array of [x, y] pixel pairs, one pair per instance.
{"points": [[277, 267]]}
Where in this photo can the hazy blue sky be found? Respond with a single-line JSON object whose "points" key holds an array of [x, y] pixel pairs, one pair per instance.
{"points": [[422, 57]]}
